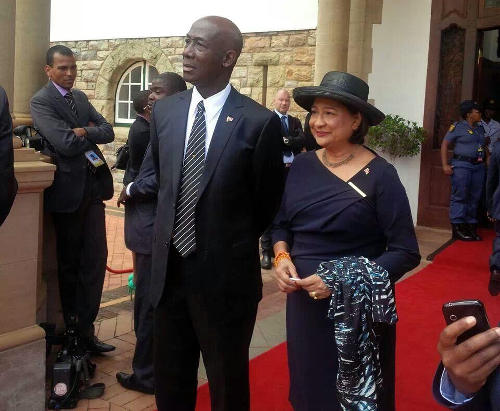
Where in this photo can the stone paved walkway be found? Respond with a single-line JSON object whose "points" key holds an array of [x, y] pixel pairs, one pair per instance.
{"points": [[115, 323]]}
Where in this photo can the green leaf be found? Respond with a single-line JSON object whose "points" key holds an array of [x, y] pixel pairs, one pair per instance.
{"points": [[397, 137]]}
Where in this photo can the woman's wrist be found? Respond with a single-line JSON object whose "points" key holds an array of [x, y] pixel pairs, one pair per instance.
{"points": [[282, 255]]}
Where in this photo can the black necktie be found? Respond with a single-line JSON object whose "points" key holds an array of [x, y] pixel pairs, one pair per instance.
{"points": [[184, 238], [71, 101]]}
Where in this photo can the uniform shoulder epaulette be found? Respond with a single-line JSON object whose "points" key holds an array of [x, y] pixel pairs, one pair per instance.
{"points": [[452, 127]]}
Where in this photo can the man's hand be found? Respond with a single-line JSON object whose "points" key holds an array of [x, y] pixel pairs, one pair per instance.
{"points": [[447, 170], [315, 286], [80, 132], [123, 197], [469, 364]]}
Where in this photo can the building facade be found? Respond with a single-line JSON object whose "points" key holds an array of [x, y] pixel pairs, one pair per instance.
{"points": [[419, 57], [111, 72]]}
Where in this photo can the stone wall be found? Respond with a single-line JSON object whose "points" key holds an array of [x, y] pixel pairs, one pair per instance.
{"points": [[287, 56]]}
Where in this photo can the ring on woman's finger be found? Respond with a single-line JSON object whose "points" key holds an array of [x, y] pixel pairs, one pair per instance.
{"points": [[313, 295]]}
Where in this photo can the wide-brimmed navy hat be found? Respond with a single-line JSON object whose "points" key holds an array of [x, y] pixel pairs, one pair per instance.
{"points": [[343, 87]]}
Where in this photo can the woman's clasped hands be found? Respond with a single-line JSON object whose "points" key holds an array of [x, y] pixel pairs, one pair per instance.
{"points": [[289, 281]]}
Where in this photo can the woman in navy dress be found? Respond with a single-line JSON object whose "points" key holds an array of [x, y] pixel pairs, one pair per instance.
{"points": [[341, 200]]}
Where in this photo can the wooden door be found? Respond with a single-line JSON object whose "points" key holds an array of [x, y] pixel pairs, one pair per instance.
{"points": [[488, 80], [451, 75]]}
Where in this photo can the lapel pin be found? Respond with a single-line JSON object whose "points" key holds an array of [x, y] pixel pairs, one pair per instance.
{"points": [[228, 119], [367, 171]]}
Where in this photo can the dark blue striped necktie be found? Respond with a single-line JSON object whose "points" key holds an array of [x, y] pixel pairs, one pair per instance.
{"points": [[184, 237]]}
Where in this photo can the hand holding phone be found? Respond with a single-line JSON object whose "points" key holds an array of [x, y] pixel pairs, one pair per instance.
{"points": [[468, 365], [455, 310]]}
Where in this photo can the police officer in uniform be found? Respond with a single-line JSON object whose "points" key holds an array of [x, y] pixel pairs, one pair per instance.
{"points": [[467, 170]]}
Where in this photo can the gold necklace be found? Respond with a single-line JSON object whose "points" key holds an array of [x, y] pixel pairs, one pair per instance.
{"points": [[336, 164]]}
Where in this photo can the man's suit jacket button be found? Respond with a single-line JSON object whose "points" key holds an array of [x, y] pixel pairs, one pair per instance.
{"points": [[166, 244]]}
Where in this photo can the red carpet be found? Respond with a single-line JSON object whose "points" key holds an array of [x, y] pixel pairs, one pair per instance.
{"points": [[459, 272], [268, 383]]}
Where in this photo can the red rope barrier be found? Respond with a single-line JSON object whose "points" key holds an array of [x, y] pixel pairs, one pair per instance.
{"points": [[125, 271]]}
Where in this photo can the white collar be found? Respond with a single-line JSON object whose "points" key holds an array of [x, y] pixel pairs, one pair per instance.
{"points": [[281, 115], [213, 103]]}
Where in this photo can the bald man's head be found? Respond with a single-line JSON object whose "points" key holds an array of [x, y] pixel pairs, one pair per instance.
{"points": [[212, 48], [282, 101], [226, 31]]}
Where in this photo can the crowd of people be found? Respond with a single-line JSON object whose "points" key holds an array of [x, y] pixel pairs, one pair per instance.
{"points": [[336, 220]]}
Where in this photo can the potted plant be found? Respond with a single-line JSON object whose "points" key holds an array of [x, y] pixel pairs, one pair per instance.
{"points": [[396, 137]]}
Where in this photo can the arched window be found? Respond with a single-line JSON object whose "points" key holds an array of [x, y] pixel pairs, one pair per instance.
{"points": [[136, 78]]}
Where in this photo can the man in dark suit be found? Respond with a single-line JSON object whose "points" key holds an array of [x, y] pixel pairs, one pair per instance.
{"points": [[291, 127], [138, 136], [71, 129], [8, 184], [468, 379], [219, 164], [140, 198], [293, 141], [493, 207]]}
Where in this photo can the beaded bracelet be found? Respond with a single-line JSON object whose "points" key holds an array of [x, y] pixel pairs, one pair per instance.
{"points": [[281, 255]]}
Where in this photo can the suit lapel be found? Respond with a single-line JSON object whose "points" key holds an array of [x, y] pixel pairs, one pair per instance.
{"points": [[81, 109], [64, 108], [229, 117], [178, 131]]}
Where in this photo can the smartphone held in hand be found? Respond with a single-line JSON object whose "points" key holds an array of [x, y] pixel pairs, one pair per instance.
{"points": [[455, 310]]}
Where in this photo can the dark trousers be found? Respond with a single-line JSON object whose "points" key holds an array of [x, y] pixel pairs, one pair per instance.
{"points": [[183, 326], [467, 183], [495, 255], [142, 363], [81, 258]]}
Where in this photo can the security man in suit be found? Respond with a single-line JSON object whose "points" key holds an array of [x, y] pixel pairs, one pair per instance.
{"points": [[219, 163], [138, 136], [293, 144], [291, 128], [467, 170], [493, 206], [140, 198], [8, 183], [71, 129], [468, 379]]}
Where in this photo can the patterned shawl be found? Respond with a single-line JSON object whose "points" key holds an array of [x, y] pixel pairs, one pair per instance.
{"points": [[361, 294]]}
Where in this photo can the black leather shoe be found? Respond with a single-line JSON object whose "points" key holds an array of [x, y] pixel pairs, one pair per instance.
{"points": [[473, 232], [494, 285], [461, 233], [265, 262], [129, 382], [96, 346]]}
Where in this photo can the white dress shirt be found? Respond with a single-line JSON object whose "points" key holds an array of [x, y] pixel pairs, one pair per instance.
{"points": [[213, 107]]}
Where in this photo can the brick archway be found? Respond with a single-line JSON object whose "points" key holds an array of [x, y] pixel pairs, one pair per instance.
{"points": [[115, 65]]}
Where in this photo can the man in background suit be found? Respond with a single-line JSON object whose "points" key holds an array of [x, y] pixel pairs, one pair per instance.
{"points": [[138, 136], [71, 129], [140, 197], [8, 184], [468, 379], [219, 164], [493, 207], [293, 141]]}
